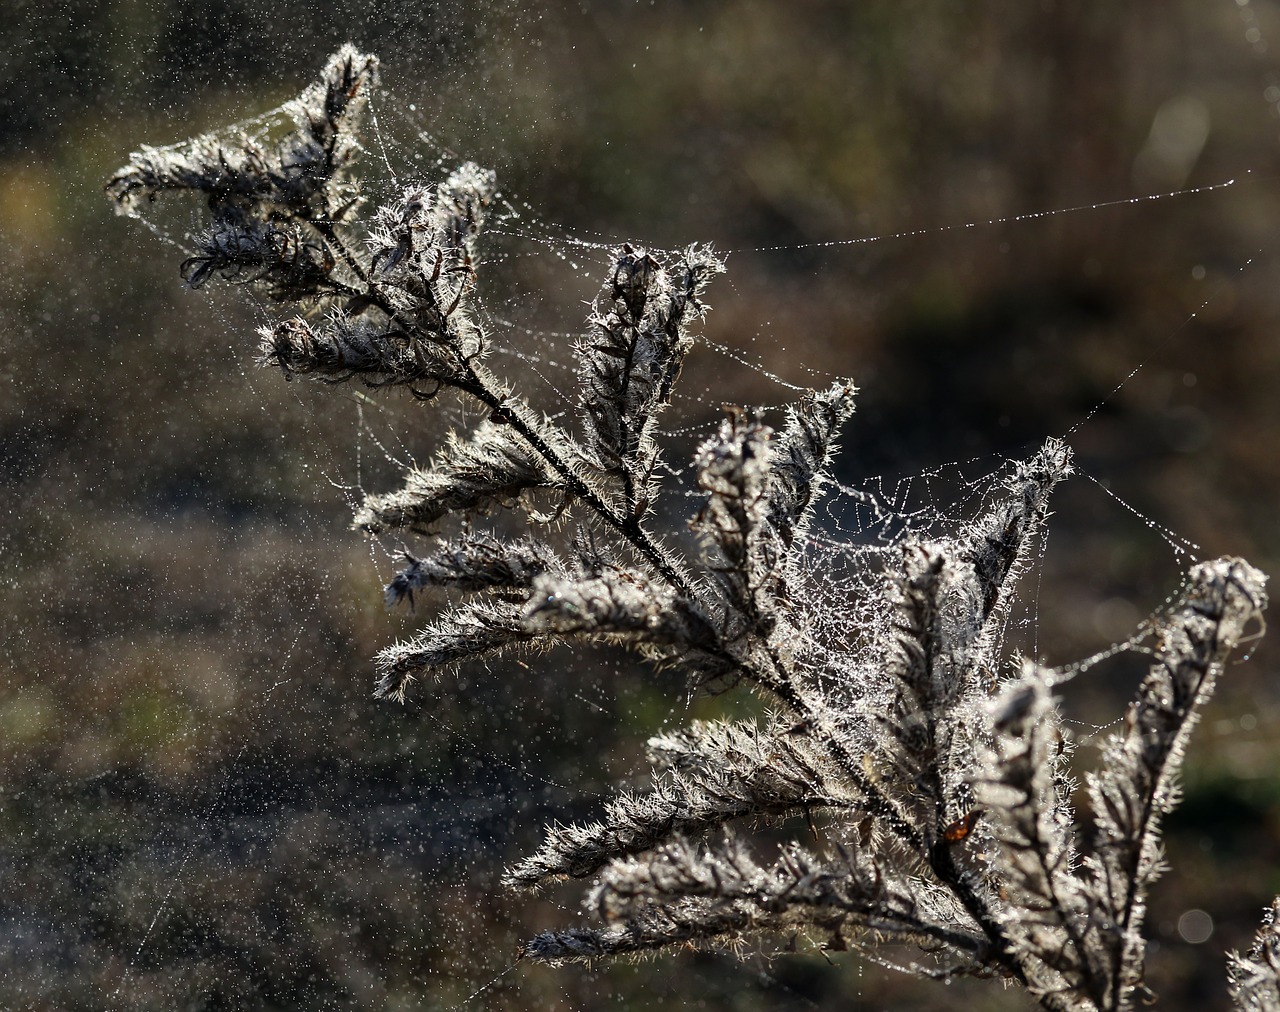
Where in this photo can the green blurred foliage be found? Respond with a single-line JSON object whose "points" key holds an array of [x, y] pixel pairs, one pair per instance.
{"points": [[201, 806]]}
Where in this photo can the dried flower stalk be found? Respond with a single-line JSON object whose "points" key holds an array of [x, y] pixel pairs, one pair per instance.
{"points": [[942, 784]]}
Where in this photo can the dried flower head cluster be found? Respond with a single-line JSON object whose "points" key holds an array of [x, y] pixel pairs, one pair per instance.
{"points": [[936, 783]]}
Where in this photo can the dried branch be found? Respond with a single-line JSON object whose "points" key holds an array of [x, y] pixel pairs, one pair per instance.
{"points": [[943, 791]]}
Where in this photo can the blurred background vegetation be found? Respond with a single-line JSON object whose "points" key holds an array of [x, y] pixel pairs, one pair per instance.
{"points": [[201, 806]]}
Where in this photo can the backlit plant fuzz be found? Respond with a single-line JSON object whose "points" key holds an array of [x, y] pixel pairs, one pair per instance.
{"points": [[939, 776]]}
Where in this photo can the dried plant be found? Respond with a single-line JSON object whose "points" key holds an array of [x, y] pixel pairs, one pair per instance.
{"points": [[935, 776]]}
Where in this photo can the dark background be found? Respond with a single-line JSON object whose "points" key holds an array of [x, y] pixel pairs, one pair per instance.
{"points": [[201, 806]]}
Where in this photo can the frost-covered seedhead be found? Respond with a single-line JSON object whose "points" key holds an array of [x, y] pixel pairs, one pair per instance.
{"points": [[283, 262], [708, 775], [1137, 785], [421, 249], [733, 469], [933, 785], [628, 363], [802, 458], [1024, 788], [304, 175], [475, 473], [1254, 978]]}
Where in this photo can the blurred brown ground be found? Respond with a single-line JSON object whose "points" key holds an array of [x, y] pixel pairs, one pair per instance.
{"points": [[200, 805]]}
